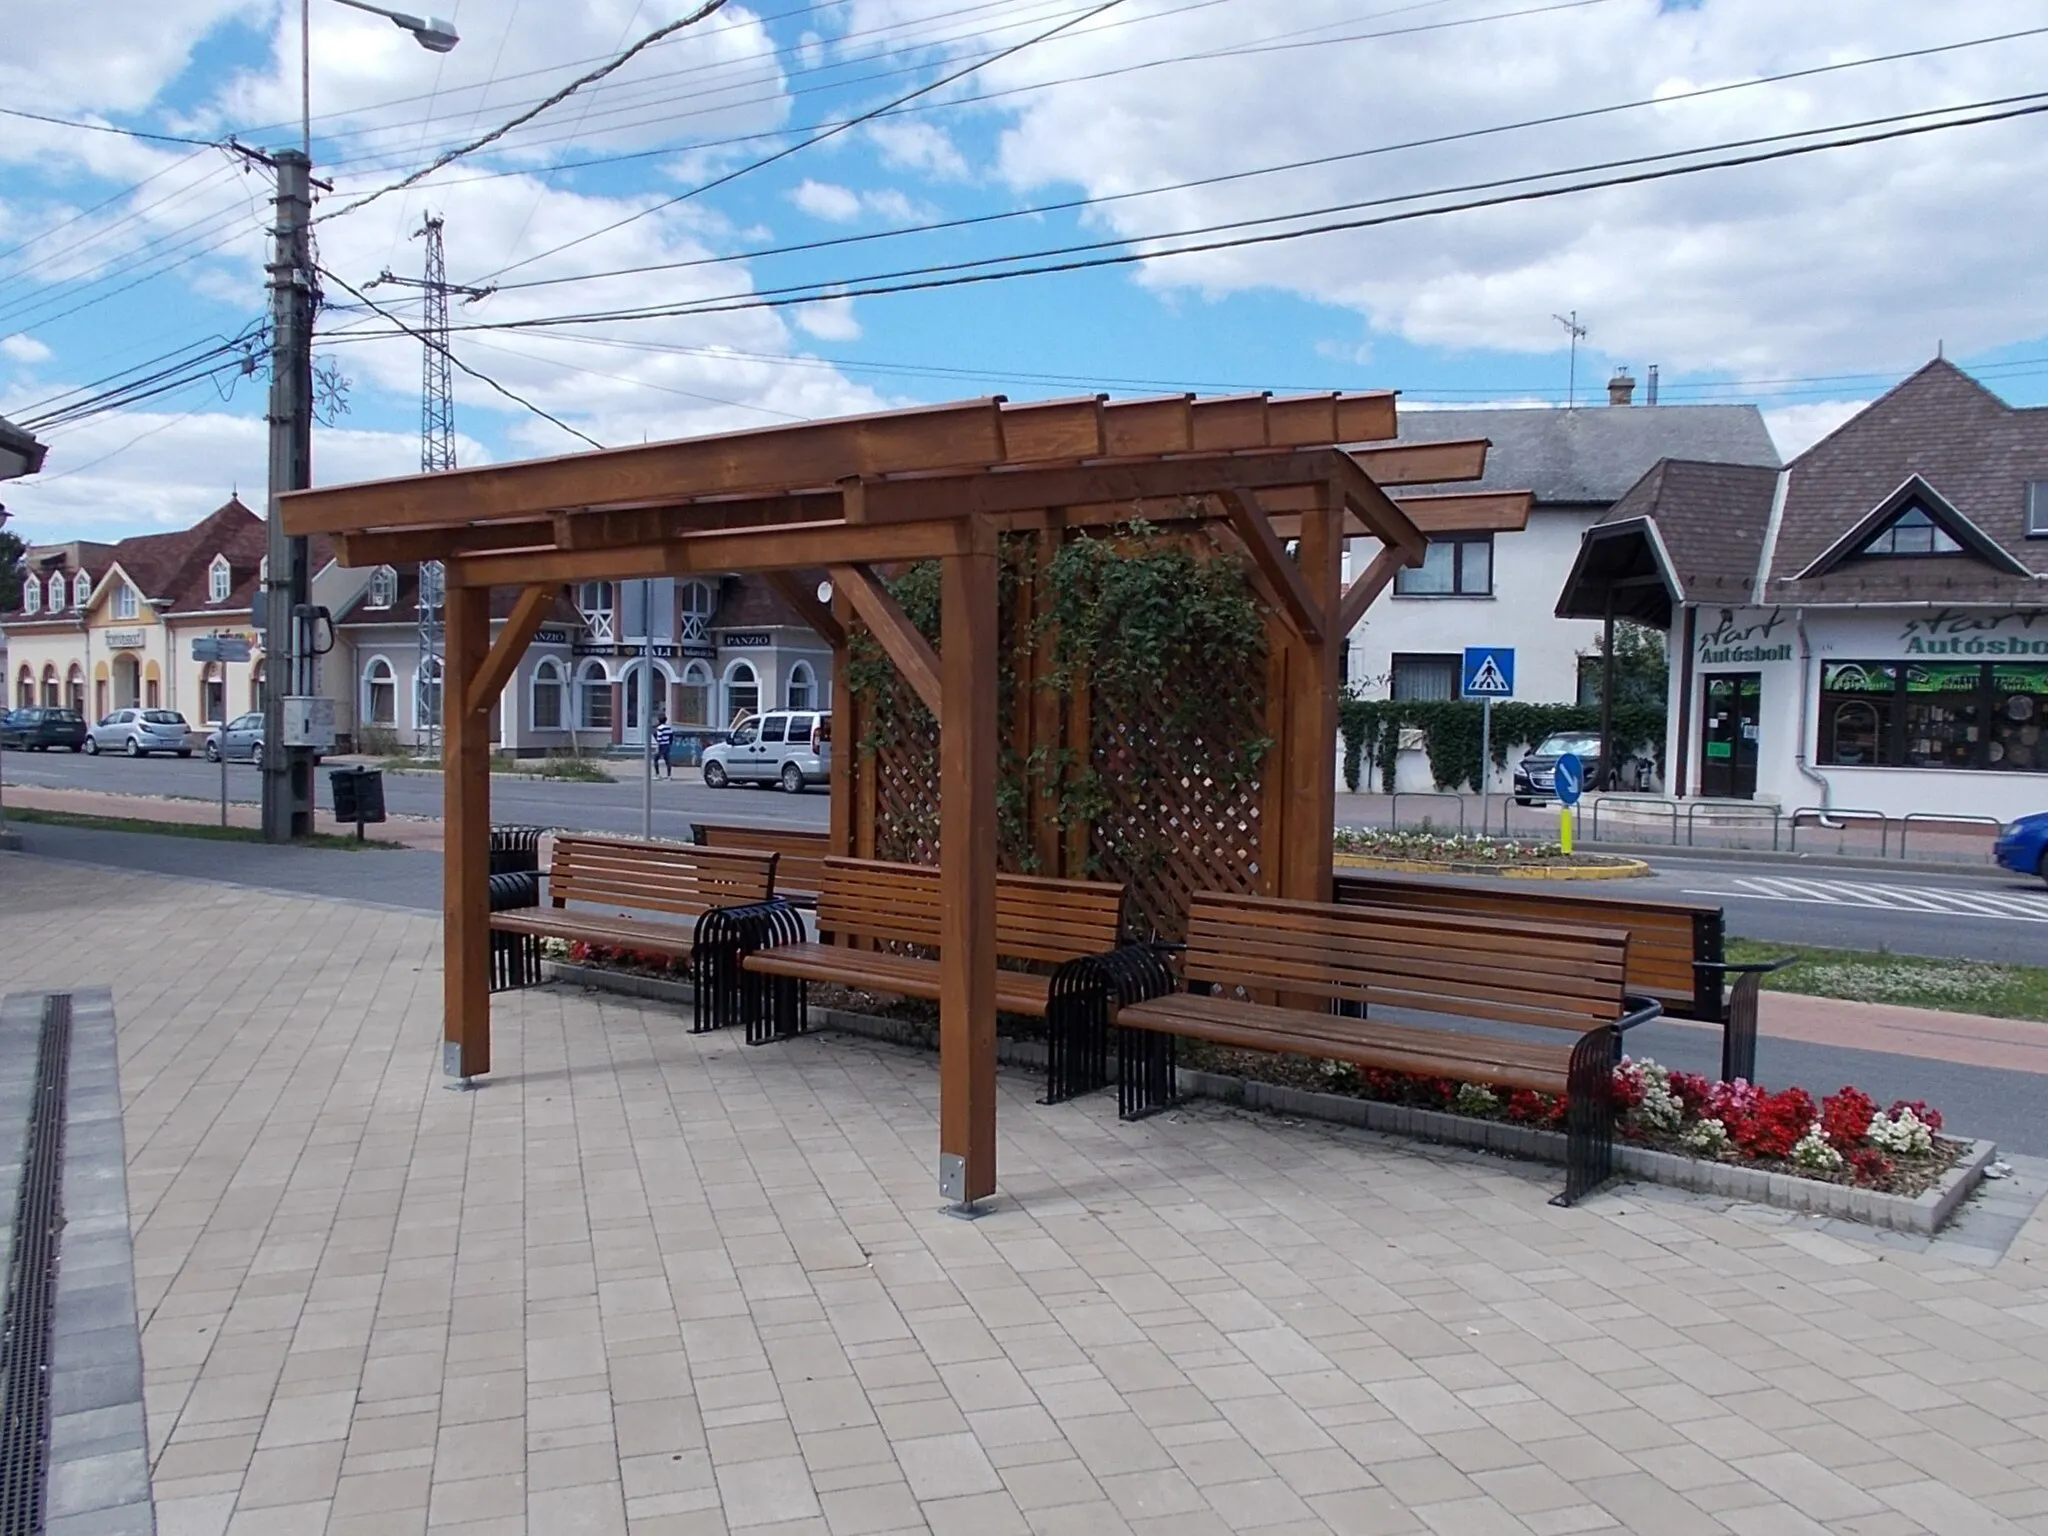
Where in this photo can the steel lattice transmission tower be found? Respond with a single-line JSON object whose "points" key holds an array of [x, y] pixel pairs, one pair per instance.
{"points": [[437, 452]]}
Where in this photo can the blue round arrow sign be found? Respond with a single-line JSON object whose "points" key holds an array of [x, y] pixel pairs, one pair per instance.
{"points": [[1568, 778]]}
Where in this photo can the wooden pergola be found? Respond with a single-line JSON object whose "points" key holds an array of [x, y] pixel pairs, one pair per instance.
{"points": [[858, 495]]}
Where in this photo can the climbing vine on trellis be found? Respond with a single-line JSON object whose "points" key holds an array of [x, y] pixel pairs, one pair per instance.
{"points": [[1371, 731]]}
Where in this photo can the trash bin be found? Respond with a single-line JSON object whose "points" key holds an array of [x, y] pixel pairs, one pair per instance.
{"points": [[358, 795], [516, 850]]}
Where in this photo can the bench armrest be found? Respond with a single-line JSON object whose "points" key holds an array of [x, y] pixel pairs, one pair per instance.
{"points": [[514, 890], [1746, 967], [1641, 1011]]}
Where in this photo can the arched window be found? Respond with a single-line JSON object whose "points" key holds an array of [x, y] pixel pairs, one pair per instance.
{"points": [[213, 694], [57, 589], [220, 580], [594, 697], [695, 602], [426, 694], [803, 687], [74, 688], [32, 596], [51, 698], [25, 689], [693, 702], [383, 588], [547, 696], [81, 590], [380, 693], [742, 692]]}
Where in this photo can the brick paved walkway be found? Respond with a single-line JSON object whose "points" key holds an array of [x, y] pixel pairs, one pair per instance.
{"points": [[652, 1283]]}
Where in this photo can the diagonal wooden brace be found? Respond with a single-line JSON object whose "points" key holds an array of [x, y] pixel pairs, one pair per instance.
{"points": [[814, 613], [503, 658], [1270, 557], [892, 629], [1366, 587]]}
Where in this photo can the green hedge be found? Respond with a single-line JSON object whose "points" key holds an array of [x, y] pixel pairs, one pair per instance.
{"points": [[1450, 733]]}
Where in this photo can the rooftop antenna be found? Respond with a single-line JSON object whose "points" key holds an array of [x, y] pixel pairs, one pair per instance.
{"points": [[1578, 332]]}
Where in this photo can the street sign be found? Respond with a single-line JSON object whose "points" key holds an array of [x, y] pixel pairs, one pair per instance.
{"points": [[1569, 779], [220, 648], [1489, 672]]}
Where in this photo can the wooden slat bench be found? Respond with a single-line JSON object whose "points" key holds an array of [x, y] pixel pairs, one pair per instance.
{"points": [[800, 855], [870, 902], [1271, 975], [614, 881]]}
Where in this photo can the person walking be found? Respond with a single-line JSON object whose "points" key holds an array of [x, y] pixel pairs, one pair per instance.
{"points": [[664, 743]]}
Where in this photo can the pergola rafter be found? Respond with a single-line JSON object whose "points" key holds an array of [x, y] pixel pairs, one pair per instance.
{"points": [[856, 495]]}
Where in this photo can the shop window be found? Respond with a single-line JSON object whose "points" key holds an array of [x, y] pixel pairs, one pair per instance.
{"points": [[594, 694], [693, 703], [74, 689], [25, 690], [152, 694], [742, 692], [547, 697], [380, 693], [51, 698], [1881, 714], [383, 588], [1461, 566], [213, 695], [1424, 679]]}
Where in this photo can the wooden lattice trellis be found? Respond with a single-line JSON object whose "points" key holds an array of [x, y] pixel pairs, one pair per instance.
{"points": [[1167, 812]]}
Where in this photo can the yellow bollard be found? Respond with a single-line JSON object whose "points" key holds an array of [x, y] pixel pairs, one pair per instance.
{"points": [[1564, 827]]}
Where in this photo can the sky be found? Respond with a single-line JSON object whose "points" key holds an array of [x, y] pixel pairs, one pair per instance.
{"points": [[695, 242]]}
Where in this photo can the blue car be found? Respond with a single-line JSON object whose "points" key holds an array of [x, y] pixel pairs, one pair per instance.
{"points": [[2023, 846]]}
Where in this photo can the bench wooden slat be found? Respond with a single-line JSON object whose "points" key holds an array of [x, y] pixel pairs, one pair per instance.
{"points": [[610, 877], [899, 975], [800, 855]]}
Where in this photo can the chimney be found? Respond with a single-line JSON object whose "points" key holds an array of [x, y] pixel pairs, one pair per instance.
{"points": [[1650, 395], [1621, 389]]}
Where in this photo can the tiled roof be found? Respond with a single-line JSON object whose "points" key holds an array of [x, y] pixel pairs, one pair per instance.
{"points": [[1975, 450], [1711, 518], [1592, 455], [749, 602]]}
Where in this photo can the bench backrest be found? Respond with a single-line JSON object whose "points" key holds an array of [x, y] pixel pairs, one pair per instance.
{"points": [[1511, 973], [622, 874], [1665, 937], [1036, 918], [800, 861]]}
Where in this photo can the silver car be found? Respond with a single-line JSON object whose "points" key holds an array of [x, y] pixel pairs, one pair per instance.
{"points": [[139, 732], [241, 737], [790, 747]]}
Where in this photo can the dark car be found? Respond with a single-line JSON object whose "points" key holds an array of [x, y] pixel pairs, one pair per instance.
{"points": [[38, 730], [1534, 773], [2023, 846]]}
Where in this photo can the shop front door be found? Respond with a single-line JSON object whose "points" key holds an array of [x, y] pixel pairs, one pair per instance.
{"points": [[1728, 729]]}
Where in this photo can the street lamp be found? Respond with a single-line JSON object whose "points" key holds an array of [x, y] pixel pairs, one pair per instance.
{"points": [[430, 32]]}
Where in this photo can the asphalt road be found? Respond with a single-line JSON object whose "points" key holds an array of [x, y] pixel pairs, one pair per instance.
{"points": [[1942, 912]]}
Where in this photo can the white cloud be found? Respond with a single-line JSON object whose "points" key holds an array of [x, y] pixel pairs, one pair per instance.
{"points": [[829, 320], [825, 200], [914, 145], [1356, 352], [24, 349], [1796, 428]]}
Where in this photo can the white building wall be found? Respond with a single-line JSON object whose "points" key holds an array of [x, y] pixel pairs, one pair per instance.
{"points": [[1529, 570]]}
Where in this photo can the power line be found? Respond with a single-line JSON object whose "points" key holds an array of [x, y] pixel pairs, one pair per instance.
{"points": [[128, 133], [702, 11], [816, 138], [1226, 177], [955, 275]]}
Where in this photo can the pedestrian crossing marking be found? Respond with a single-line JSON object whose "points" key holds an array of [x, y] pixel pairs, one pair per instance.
{"points": [[2001, 906]]}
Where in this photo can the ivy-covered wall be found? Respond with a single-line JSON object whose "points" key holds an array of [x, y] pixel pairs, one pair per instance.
{"points": [[1371, 731]]}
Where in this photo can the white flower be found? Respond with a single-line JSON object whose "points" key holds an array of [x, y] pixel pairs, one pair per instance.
{"points": [[1816, 1151], [1904, 1133], [1708, 1138], [1474, 1099]]}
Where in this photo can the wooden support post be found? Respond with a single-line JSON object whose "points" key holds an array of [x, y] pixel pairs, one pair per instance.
{"points": [[466, 841], [967, 878], [846, 731], [1310, 740], [1047, 711]]}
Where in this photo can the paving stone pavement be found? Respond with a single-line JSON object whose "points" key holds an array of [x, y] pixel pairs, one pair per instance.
{"points": [[655, 1283]]}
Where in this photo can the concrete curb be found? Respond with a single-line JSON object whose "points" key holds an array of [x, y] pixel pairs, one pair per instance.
{"points": [[1923, 1214], [1627, 869], [1982, 867]]}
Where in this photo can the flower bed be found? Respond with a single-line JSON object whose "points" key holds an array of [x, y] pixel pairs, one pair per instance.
{"points": [[1454, 850], [1845, 1138]]}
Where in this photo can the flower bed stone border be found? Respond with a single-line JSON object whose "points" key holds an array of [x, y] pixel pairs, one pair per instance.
{"points": [[1616, 868], [1923, 1214]]}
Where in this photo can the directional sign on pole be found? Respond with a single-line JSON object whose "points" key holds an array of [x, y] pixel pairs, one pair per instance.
{"points": [[1568, 779], [220, 648], [1489, 672]]}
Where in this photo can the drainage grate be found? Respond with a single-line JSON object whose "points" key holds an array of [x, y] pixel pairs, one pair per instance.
{"points": [[31, 1286]]}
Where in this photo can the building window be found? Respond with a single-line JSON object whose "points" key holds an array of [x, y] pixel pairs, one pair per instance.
{"points": [[51, 698], [693, 702], [220, 580], [380, 693], [433, 584], [1885, 714], [213, 695], [25, 689], [383, 588], [57, 587], [1425, 679], [594, 694], [742, 692], [594, 602], [74, 688], [152, 694], [426, 694], [32, 596], [81, 590], [124, 601], [547, 697], [1461, 566], [2037, 509], [1912, 532], [695, 603], [803, 687], [256, 676]]}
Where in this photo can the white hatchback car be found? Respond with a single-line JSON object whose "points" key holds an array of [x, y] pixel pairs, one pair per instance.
{"points": [[139, 732]]}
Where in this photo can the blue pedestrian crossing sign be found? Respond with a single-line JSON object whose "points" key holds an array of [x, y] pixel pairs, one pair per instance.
{"points": [[1489, 672]]}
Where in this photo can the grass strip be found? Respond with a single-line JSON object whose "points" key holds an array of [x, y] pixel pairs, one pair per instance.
{"points": [[205, 831], [1913, 981]]}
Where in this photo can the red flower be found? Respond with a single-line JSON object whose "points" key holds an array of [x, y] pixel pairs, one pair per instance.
{"points": [[1870, 1166], [1773, 1127], [1691, 1090], [1845, 1118]]}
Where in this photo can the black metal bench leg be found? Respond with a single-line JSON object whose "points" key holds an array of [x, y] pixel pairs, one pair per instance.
{"points": [[1589, 1114], [1738, 1031], [1077, 1031], [1146, 1060]]}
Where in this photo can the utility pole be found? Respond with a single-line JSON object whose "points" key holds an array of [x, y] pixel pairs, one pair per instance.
{"points": [[287, 586], [437, 452]]}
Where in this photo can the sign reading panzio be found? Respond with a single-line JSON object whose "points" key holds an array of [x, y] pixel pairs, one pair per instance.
{"points": [[1744, 641]]}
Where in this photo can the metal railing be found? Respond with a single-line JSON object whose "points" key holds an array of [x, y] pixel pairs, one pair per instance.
{"points": [[1642, 804], [1945, 818], [1733, 814], [1394, 810], [1821, 815]]}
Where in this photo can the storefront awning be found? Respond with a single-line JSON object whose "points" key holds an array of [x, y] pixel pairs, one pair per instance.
{"points": [[1623, 569]]}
